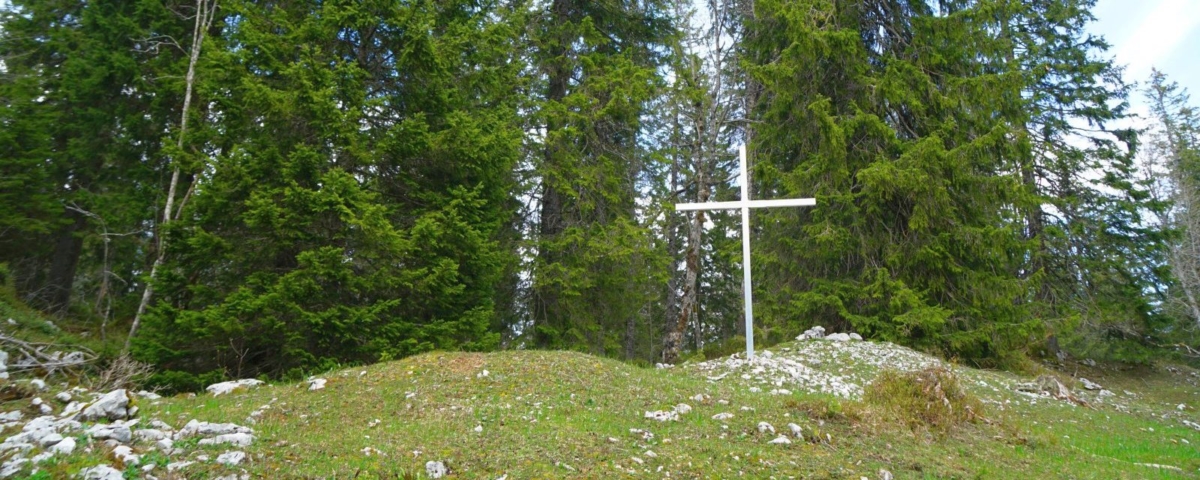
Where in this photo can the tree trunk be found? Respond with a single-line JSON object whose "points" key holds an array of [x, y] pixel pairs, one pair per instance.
{"points": [[673, 340], [68, 246], [204, 15], [547, 311]]}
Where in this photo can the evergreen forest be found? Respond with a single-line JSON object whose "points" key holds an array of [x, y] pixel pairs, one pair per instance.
{"points": [[263, 188]]}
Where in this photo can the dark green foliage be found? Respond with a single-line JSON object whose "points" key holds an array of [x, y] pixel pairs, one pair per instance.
{"points": [[353, 203], [913, 237]]}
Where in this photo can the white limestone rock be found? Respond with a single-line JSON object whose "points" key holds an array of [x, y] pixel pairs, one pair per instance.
{"points": [[150, 434], [64, 447], [1090, 385], [236, 439], [233, 385], [64, 397], [683, 408], [316, 384], [436, 469], [120, 433], [125, 455], [113, 405], [780, 440], [195, 427], [49, 440], [38, 384], [11, 467], [663, 415], [231, 458], [102, 472], [722, 416], [764, 427], [838, 337], [856, 337]]}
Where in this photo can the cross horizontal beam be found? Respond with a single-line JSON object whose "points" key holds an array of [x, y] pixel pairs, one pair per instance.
{"points": [[789, 202]]}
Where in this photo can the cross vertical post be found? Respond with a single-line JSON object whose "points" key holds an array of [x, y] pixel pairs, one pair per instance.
{"points": [[745, 204], [748, 293]]}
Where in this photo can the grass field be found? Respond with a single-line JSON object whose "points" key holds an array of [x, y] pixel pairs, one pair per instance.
{"points": [[538, 414]]}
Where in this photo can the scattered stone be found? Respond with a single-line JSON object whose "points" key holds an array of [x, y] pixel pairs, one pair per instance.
{"points": [[165, 445], [722, 416], [41, 405], [231, 458], [64, 397], [38, 384], [1089, 362], [120, 433], [650, 454], [11, 467], [236, 439], [884, 474], [764, 427], [112, 406], [796, 431], [148, 395], [479, 429], [64, 447], [1090, 385], [482, 374], [11, 416], [838, 337], [171, 467], [683, 408], [316, 383], [699, 397], [814, 333], [50, 440], [125, 455], [781, 391], [780, 440], [150, 435], [102, 472], [662, 415], [196, 427], [436, 469], [233, 385]]}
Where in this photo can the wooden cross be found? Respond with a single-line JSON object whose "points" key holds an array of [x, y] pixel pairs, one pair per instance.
{"points": [[746, 204]]}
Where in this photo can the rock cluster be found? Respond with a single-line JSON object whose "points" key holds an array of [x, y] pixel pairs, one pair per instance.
{"points": [[106, 421]]}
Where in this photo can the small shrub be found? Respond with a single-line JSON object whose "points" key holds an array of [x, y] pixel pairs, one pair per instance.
{"points": [[931, 397], [122, 372]]}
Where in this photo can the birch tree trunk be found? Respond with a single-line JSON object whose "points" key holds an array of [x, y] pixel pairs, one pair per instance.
{"points": [[205, 11]]}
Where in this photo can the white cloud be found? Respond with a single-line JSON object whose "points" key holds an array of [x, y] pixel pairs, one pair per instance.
{"points": [[1160, 32]]}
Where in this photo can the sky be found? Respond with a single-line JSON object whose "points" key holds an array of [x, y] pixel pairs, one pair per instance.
{"points": [[1146, 34]]}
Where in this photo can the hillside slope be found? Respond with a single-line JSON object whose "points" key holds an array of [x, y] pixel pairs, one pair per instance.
{"points": [[538, 414]]}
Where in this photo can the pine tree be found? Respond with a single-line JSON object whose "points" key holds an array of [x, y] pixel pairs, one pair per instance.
{"points": [[1173, 160], [596, 65], [357, 193], [83, 103], [883, 112]]}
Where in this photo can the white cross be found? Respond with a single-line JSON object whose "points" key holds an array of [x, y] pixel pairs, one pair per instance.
{"points": [[746, 204]]}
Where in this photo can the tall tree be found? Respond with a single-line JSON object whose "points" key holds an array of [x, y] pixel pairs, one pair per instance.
{"points": [[82, 81], [1173, 156], [596, 64], [883, 112], [358, 190]]}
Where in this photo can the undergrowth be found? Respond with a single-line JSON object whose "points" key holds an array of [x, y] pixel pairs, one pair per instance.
{"points": [[931, 397]]}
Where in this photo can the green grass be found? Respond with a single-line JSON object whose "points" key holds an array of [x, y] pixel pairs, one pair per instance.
{"points": [[552, 415]]}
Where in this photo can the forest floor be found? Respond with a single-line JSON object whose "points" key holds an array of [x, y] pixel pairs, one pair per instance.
{"points": [[543, 414]]}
